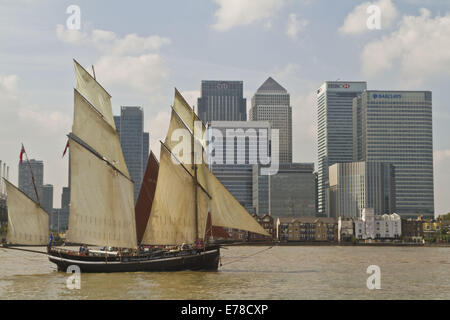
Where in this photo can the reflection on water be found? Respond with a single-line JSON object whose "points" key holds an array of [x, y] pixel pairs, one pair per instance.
{"points": [[277, 273]]}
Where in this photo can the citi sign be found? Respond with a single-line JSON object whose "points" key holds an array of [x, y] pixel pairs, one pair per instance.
{"points": [[386, 96]]}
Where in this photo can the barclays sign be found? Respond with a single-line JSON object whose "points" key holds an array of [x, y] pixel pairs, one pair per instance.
{"points": [[386, 96]]}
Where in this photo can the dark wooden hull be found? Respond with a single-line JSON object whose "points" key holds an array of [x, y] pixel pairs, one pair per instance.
{"points": [[207, 260]]}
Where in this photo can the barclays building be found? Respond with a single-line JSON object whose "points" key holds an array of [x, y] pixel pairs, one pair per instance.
{"points": [[396, 127]]}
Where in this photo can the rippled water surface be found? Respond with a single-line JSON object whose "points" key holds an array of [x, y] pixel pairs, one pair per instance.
{"points": [[291, 272]]}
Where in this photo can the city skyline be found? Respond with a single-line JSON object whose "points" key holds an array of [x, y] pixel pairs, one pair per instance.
{"points": [[39, 108]]}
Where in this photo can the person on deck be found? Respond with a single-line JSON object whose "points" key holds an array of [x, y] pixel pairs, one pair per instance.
{"points": [[50, 242]]}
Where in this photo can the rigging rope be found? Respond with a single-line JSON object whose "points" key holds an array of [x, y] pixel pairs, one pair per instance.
{"points": [[251, 255]]}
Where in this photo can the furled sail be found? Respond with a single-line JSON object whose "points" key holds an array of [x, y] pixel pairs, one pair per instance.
{"points": [[225, 210], [94, 93], [90, 126], [28, 223], [172, 218], [146, 194], [101, 201]]}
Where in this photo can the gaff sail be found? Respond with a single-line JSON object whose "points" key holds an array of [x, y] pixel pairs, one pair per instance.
{"points": [[28, 223]]}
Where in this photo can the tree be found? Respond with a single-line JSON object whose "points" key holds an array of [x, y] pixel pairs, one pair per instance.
{"points": [[445, 216]]}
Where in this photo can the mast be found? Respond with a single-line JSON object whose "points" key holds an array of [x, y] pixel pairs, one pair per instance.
{"points": [[194, 158]]}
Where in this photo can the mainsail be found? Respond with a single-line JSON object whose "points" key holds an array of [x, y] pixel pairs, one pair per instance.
{"points": [[28, 223], [172, 218], [102, 201], [186, 192]]}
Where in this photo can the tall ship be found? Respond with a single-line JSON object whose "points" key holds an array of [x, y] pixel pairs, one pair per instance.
{"points": [[180, 199]]}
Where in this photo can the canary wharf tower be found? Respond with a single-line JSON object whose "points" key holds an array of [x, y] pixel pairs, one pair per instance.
{"points": [[335, 129], [396, 127]]}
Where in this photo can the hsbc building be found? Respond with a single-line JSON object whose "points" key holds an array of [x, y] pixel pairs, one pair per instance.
{"points": [[335, 129]]}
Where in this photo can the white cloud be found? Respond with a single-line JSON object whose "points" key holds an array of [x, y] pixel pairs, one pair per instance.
{"points": [[356, 21], [419, 48], [159, 126], [8, 83], [294, 26], [144, 73], [109, 42], [290, 70], [75, 37], [191, 97], [232, 13], [441, 156], [130, 62]]}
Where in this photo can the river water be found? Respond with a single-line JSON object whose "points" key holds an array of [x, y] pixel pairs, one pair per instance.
{"points": [[279, 272]]}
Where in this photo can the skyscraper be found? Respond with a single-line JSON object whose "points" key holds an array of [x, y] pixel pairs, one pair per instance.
{"points": [[25, 178], [292, 190], [222, 101], [47, 198], [396, 127], [271, 102], [134, 142], [335, 129], [355, 186], [245, 139]]}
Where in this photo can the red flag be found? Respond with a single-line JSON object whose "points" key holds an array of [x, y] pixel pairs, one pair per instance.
{"points": [[22, 151], [65, 149]]}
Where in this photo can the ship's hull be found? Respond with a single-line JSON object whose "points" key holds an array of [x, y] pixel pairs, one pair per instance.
{"points": [[207, 260]]}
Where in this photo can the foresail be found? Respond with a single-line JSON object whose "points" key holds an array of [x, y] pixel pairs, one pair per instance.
{"points": [[90, 126], [146, 195], [102, 202], [225, 210], [189, 117], [94, 93], [179, 142], [28, 223], [172, 218]]}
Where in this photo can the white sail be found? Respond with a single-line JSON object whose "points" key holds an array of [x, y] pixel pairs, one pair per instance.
{"points": [[225, 210], [90, 126], [101, 202], [28, 223], [94, 93], [189, 117], [172, 218]]}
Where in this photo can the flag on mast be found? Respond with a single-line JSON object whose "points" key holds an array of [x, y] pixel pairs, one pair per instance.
{"points": [[65, 149], [22, 151]]}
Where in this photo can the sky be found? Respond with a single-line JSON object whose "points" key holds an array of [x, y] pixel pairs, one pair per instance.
{"points": [[142, 50]]}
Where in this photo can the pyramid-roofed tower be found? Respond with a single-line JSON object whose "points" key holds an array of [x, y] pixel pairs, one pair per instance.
{"points": [[270, 85], [271, 102]]}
